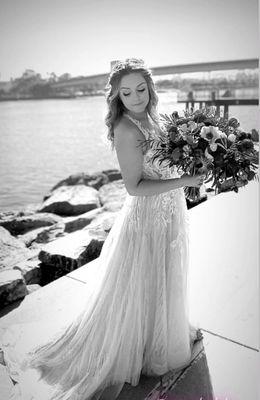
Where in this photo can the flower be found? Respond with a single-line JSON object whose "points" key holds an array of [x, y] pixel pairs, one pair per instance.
{"points": [[183, 128], [189, 139], [233, 122], [175, 155], [232, 137], [245, 144], [213, 146], [210, 133], [203, 141], [192, 125]]}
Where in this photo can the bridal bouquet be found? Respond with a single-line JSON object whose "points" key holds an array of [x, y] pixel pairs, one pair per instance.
{"points": [[203, 142]]}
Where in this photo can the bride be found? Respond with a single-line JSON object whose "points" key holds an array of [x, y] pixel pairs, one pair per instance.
{"points": [[134, 314]]}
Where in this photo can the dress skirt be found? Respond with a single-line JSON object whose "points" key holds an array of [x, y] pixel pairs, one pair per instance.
{"points": [[133, 317]]}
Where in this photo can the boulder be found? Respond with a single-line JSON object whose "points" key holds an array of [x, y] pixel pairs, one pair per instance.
{"points": [[71, 200], [20, 225], [36, 237], [12, 286], [70, 252], [95, 180], [30, 270], [103, 222], [73, 224], [44, 235], [29, 209], [33, 288], [12, 250], [112, 174], [112, 195]]}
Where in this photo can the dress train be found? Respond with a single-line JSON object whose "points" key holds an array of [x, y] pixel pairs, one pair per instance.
{"points": [[133, 316]]}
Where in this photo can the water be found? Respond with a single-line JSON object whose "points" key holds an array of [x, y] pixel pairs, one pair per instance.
{"points": [[44, 141]]}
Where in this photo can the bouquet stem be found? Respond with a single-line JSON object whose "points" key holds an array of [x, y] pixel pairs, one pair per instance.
{"points": [[193, 193]]}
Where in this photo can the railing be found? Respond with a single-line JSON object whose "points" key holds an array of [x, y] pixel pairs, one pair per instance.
{"points": [[218, 99]]}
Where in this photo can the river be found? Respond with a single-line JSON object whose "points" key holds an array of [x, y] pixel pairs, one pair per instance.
{"points": [[44, 141]]}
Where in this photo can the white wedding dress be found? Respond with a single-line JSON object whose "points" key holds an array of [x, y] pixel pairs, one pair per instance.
{"points": [[134, 317]]}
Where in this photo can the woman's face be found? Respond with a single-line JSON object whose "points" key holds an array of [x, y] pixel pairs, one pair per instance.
{"points": [[133, 92]]}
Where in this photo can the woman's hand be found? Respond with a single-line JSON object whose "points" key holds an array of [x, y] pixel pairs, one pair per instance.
{"points": [[193, 181]]}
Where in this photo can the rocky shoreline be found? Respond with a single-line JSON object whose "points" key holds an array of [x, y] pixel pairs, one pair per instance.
{"points": [[67, 230]]}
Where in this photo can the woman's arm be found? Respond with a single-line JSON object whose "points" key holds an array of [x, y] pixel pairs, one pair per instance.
{"points": [[130, 158]]}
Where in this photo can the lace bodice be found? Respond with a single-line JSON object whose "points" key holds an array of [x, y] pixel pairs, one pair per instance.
{"points": [[162, 206]]}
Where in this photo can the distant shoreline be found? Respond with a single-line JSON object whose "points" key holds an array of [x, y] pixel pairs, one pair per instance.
{"points": [[61, 97]]}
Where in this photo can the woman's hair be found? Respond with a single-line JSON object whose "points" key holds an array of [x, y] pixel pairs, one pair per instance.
{"points": [[115, 106]]}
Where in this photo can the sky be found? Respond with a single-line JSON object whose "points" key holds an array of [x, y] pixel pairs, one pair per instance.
{"points": [[82, 37]]}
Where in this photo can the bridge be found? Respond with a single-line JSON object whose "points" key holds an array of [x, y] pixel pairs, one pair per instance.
{"points": [[98, 82]]}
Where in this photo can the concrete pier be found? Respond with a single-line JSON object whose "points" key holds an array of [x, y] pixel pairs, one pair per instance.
{"points": [[224, 301]]}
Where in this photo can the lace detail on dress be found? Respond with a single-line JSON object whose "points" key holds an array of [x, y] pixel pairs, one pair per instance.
{"points": [[162, 206], [130, 316]]}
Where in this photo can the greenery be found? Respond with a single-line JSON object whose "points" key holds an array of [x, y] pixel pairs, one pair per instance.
{"points": [[204, 142], [241, 79], [32, 85]]}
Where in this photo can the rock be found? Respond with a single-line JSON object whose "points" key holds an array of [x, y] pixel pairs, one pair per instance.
{"points": [[12, 286], [9, 214], [36, 237], [33, 288], [112, 174], [95, 180], [29, 237], [49, 234], [30, 270], [70, 252], [73, 224], [27, 210], [103, 222], [71, 200], [12, 250], [112, 195], [20, 225]]}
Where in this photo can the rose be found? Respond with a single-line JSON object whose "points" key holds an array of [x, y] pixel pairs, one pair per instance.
{"points": [[183, 128], [192, 126], [242, 135], [175, 114], [245, 144], [233, 122], [232, 137]]}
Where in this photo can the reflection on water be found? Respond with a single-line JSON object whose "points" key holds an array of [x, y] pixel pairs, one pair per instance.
{"points": [[44, 141]]}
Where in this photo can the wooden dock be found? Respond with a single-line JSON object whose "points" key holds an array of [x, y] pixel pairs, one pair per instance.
{"points": [[193, 99], [225, 103]]}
